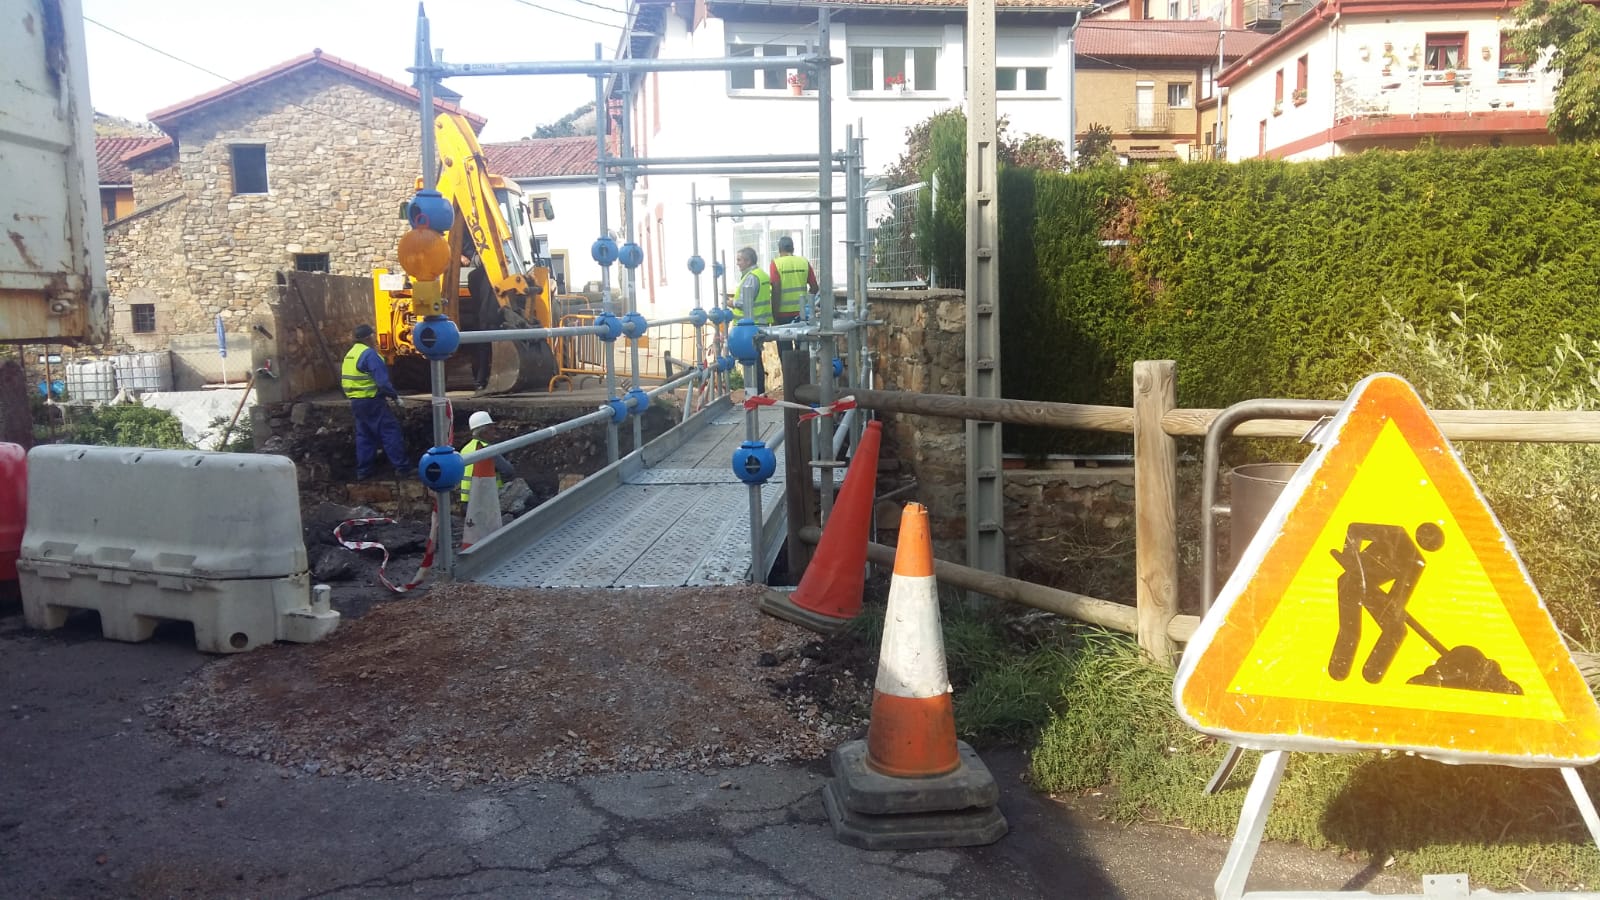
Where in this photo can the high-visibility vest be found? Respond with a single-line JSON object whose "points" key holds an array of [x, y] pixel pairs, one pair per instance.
{"points": [[357, 384], [466, 480], [792, 272], [762, 314]]}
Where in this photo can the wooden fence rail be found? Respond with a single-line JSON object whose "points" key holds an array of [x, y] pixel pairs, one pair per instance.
{"points": [[1154, 422]]}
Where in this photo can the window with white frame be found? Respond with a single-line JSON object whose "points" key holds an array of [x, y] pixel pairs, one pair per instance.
{"points": [[1023, 61], [1178, 94], [775, 79], [1207, 85], [894, 61], [1173, 8]]}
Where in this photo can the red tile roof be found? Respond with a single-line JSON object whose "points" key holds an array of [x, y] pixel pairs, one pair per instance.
{"points": [[1187, 39], [112, 152], [542, 158], [169, 117]]}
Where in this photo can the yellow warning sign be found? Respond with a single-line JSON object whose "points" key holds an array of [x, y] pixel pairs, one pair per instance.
{"points": [[1381, 605]]}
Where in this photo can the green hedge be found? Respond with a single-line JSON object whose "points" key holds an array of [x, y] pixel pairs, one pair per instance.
{"points": [[1254, 275]]}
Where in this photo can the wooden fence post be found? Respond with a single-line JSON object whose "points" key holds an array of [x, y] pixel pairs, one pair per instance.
{"points": [[1155, 505], [797, 471]]}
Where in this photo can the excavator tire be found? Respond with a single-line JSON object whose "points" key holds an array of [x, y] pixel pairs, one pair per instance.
{"points": [[521, 367]]}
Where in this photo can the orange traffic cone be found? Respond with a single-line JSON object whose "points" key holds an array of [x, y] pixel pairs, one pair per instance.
{"points": [[483, 505], [911, 784], [829, 595]]}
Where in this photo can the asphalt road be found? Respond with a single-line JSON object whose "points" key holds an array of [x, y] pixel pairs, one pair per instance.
{"points": [[97, 801]]}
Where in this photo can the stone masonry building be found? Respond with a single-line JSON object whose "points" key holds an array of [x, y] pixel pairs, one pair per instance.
{"points": [[301, 167]]}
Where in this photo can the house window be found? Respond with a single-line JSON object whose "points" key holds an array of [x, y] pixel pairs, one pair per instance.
{"points": [[249, 168], [108, 204], [1261, 139], [311, 262], [1277, 86], [1178, 95], [773, 79], [1020, 78], [1207, 86], [893, 69], [1172, 9], [1513, 63], [1445, 51], [144, 318], [1302, 72]]}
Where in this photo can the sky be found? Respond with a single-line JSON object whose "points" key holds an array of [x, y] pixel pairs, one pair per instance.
{"points": [[233, 39]]}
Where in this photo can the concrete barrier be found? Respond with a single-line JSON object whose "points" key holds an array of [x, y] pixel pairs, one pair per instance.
{"points": [[145, 535]]}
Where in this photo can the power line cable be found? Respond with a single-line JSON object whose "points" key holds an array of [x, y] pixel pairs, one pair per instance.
{"points": [[552, 10]]}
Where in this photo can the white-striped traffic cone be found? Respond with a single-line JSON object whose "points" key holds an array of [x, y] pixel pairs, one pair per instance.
{"points": [[483, 505], [911, 784]]}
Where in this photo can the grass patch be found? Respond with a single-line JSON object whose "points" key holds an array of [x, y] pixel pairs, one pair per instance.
{"points": [[1115, 725]]}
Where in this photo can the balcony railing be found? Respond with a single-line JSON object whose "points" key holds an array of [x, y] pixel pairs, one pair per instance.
{"points": [[1446, 91], [1149, 118]]}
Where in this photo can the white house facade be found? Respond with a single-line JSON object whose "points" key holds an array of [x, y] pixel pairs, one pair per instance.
{"points": [[1352, 75], [561, 171], [902, 62]]}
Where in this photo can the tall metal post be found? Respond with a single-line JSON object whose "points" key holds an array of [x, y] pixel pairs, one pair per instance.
{"points": [[442, 432], [824, 448], [627, 232], [986, 549], [600, 122], [858, 352], [1072, 89], [694, 248]]}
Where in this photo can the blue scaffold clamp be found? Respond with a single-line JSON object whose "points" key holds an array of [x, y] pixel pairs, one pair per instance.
{"points": [[612, 324], [630, 255], [754, 462], [721, 315], [697, 264], [436, 337], [604, 250], [698, 317], [838, 367], [742, 342], [717, 269], [725, 363], [429, 209], [641, 400], [441, 468], [619, 410], [634, 325]]}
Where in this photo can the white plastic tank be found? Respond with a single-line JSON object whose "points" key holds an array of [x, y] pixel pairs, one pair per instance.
{"points": [[91, 381], [143, 372]]}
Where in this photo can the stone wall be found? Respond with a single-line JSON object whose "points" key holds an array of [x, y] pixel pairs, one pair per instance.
{"points": [[1071, 527], [308, 313], [341, 157]]}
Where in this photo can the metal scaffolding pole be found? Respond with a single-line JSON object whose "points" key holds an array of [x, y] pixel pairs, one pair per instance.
{"points": [[627, 233], [762, 201], [986, 548], [443, 433], [602, 67], [824, 444], [623, 162], [600, 113]]}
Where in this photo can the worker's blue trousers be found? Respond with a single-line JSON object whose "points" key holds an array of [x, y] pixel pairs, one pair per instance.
{"points": [[376, 427]]}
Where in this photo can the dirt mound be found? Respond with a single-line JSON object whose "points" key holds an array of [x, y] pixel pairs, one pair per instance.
{"points": [[479, 684]]}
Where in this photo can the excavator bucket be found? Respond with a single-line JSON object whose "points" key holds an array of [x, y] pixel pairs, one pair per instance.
{"points": [[521, 366]]}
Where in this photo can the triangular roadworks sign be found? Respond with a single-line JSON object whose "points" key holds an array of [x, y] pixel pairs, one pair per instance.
{"points": [[1381, 605]]}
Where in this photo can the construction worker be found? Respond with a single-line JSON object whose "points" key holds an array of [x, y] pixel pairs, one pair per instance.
{"points": [[365, 380], [792, 278], [484, 432], [754, 300]]}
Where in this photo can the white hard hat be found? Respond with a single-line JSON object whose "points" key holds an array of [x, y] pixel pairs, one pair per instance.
{"points": [[478, 420]]}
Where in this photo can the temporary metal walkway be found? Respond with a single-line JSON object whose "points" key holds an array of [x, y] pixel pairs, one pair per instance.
{"points": [[671, 513]]}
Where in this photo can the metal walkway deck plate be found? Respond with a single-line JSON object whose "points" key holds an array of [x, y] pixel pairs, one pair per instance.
{"points": [[671, 514]]}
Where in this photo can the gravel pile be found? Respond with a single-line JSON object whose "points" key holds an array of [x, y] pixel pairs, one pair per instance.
{"points": [[472, 684]]}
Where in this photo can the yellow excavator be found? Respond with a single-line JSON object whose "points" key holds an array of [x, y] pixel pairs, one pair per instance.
{"points": [[507, 284]]}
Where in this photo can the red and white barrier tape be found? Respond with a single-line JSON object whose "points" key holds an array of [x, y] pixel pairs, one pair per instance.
{"points": [[427, 555], [811, 412]]}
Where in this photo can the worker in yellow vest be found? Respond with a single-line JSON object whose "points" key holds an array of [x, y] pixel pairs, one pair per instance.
{"points": [[484, 432], [365, 380], [792, 278], [754, 300]]}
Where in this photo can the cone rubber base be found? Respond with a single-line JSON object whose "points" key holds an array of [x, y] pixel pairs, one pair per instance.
{"points": [[868, 791], [779, 605], [912, 831]]}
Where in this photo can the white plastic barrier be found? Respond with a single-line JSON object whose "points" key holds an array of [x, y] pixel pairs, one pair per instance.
{"points": [[144, 535]]}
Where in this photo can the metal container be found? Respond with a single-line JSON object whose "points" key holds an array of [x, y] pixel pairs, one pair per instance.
{"points": [[1255, 488], [13, 506]]}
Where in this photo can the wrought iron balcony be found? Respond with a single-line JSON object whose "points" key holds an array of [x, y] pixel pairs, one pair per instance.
{"points": [[1149, 118]]}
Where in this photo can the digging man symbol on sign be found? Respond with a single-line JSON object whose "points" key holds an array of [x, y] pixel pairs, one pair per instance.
{"points": [[1382, 565]]}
